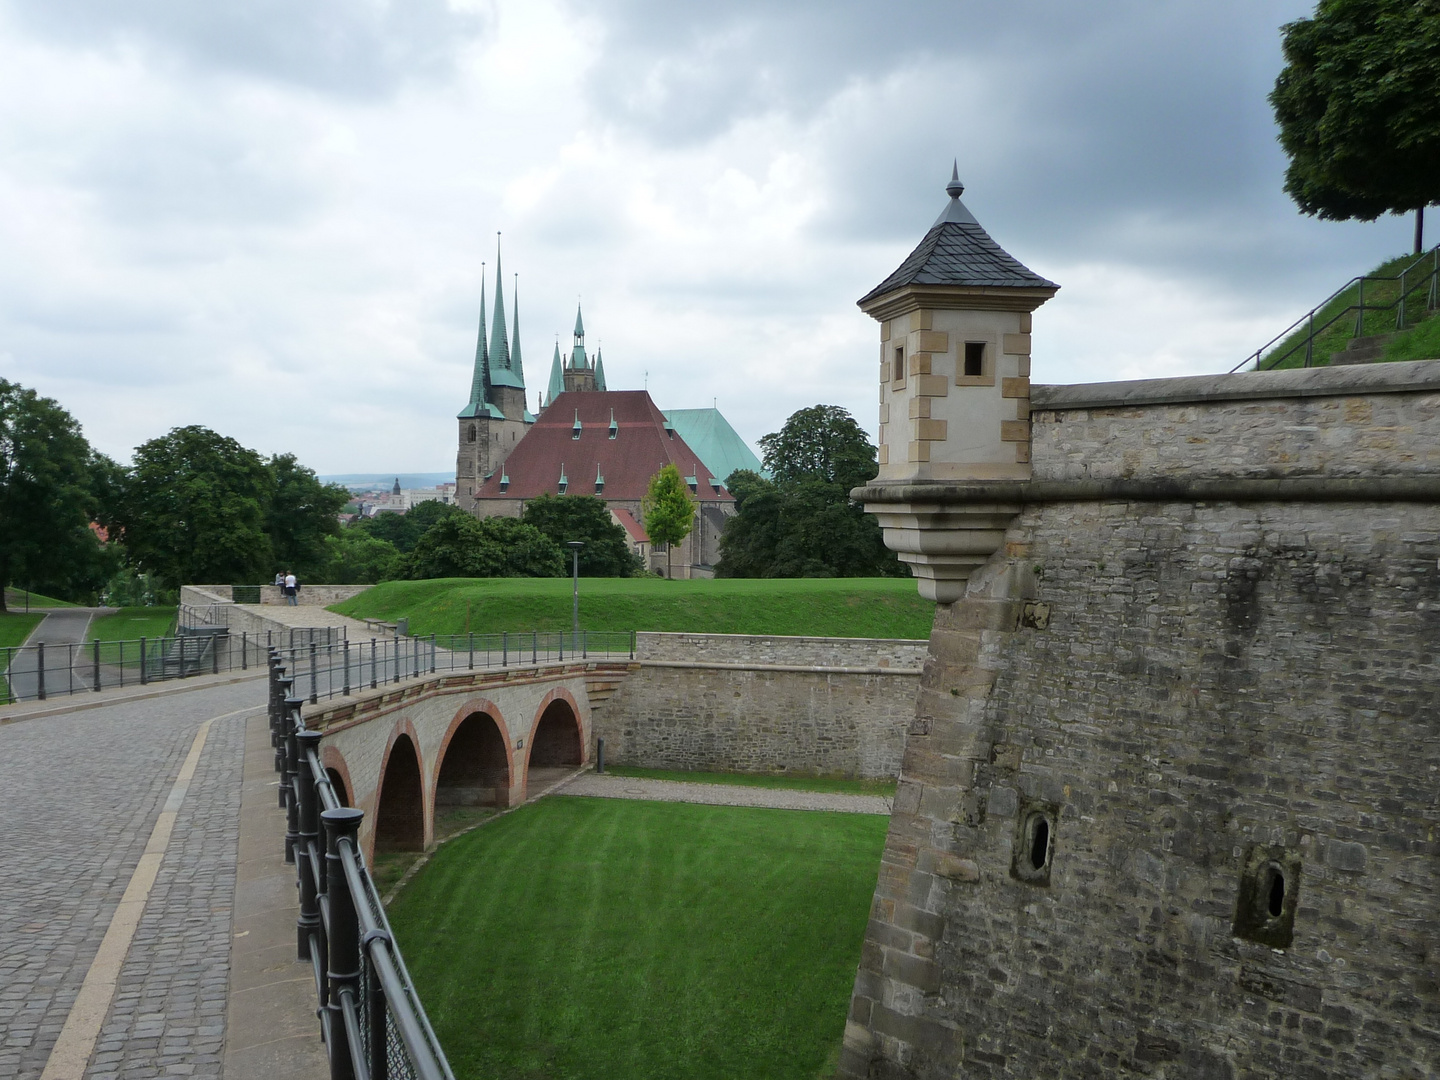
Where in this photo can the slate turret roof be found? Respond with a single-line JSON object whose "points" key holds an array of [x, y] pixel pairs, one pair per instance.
{"points": [[957, 251]]}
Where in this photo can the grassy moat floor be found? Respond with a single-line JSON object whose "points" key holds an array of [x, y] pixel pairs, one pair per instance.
{"points": [[818, 607], [586, 939]]}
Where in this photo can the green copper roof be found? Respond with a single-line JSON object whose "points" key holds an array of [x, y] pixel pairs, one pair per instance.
{"points": [[515, 364], [599, 372], [479, 390], [578, 360], [579, 323], [557, 380], [719, 445]]}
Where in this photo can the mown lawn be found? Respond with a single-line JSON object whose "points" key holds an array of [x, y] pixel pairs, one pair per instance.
{"points": [[601, 939], [820, 607], [15, 600], [130, 623], [761, 780], [15, 627]]}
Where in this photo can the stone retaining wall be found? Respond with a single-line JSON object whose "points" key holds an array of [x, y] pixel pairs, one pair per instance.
{"points": [[816, 706]]}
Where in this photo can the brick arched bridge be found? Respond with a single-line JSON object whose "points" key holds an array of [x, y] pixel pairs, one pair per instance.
{"points": [[476, 739]]}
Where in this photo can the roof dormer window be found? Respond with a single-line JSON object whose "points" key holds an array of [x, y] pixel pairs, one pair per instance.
{"points": [[575, 431], [694, 481], [504, 482], [599, 479], [614, 427], [564, 483]]}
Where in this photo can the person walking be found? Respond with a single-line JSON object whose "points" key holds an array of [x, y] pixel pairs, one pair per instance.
{"points": [[291, 588]]}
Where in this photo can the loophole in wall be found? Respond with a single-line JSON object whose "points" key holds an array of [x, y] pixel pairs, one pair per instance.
{"points": [[1034, 845], [1267, 896]]}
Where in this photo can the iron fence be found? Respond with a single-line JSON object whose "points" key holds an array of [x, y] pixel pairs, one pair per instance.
{"points": [[41, 671], [371, 1019], [1417, 285], [323, 670]]}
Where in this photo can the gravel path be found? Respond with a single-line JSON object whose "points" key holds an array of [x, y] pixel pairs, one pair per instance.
{"points": [[629, 787]]}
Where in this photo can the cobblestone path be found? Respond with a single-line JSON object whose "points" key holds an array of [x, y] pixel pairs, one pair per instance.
{"points": [[81, 794]]}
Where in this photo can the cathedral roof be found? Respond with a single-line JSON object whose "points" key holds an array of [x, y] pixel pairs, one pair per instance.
{"points": [[957, 251], [644, 443], [719, 445]]}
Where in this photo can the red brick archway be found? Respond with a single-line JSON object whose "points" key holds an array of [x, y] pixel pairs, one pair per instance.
{"points": [[339, 773], [476, 764], [556, 744], [400, 802]]}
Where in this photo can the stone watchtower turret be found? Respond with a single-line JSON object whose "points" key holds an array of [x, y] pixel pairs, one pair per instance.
{"points": [[954, 394], [495, 419]]}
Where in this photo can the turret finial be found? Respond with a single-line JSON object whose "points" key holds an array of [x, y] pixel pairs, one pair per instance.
{"points": [[955, 188]]}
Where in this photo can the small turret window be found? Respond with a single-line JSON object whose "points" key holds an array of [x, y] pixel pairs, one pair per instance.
{"points": [[472, 432], [899, 370], [974, 358]]}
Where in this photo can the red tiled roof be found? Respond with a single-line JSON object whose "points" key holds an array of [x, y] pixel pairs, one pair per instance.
{"points": [[641, 448], [630, 525]]}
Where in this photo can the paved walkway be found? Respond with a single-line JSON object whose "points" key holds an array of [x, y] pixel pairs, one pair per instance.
{"points": [[59, 628], [86, 794], [629, 787]]}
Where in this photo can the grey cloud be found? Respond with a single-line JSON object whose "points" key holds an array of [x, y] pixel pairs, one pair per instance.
{"points": [[348, 47]]}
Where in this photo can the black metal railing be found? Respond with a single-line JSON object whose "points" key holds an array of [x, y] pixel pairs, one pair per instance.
{"points": [[45, 670], [1417, 285], [340, 668], [371, 1019]]}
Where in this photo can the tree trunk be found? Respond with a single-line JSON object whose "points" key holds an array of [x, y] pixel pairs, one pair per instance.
{"points": [[1419, 229]]}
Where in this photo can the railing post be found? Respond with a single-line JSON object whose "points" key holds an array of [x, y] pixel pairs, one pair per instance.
{"points": [[307, 840], [471, 665], [562, 645], [632, 644], [534, 646], [40, 670], [343, 962], [347, 667], [1310, 340], [97, 667], [215, 654], [1360, 319], [372, 664], [287, 780], [244, 652], [313, 674], [396, 673], [505, 648], [584, 644], [1400, 307], [432, 654]]}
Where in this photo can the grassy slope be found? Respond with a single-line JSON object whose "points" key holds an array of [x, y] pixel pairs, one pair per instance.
{"points": [[762, 780], [15, 600], [1418, 342], [586, 939], [15, 628], [828, 607], [132, 622]]}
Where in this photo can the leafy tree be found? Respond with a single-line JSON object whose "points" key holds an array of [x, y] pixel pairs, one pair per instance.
{"points": [[405, 530], [822, 441], [1359, 111], [583, 517], [193, 510], [354, 557], [302, 514], [669, 512], [803, 523], [46, 496], [460, 546]]}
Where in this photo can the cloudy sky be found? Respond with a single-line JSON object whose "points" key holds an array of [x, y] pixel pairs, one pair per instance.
{"points": [[269, 216]]}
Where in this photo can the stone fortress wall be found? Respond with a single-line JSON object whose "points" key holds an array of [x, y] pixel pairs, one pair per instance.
{"points": [[1170, 795], [729, 702]]}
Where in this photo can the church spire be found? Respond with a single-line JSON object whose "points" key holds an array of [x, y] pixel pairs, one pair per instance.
{"points": [[499, 338], [515, 364], [599, 372], [557, 380], [480, 380], [578, 361]]}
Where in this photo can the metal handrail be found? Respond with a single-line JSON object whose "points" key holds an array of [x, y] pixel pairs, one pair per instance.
{"points": [[1430, 281], [361, 980]]}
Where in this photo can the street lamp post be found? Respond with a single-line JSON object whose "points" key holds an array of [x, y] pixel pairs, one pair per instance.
{"points": [[575, 546]]}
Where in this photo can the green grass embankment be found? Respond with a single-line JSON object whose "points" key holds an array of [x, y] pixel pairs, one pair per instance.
{"points": [[819, 607], [580, 939], [761, 780], [15, 627], [15, 600], [130, 623], [1419, 341]]}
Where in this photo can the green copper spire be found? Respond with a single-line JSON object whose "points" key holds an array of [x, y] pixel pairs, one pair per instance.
{"points": [[515, 364], [599, 371], [480, 381], [578, 361], [499, 337], [557, 380]]}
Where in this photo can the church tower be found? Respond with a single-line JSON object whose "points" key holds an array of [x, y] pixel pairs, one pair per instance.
{"points": [[579, 375], [495, 419]]}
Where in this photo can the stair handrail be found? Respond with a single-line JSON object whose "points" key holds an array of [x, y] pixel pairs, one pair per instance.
{"points": [[1431, 279]]}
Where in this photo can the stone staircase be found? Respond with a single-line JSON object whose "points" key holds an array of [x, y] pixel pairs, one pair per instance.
{"points": [[1362, 350]]}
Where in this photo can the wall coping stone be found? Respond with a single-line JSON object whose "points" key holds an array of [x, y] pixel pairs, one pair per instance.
{"points": [[1409, 376], [676, 635], [812, 669]]}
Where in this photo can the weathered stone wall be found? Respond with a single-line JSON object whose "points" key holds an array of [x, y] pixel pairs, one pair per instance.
{"points": [[1191, 695], [806, 651], [815, 706], [312, 595]]}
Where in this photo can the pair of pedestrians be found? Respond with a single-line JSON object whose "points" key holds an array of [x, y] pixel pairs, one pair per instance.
{"points": [[289, 586]]}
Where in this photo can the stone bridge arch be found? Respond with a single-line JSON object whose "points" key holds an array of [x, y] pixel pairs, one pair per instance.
{"points": [[475, 763], [402, 821], [558, 739]]}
